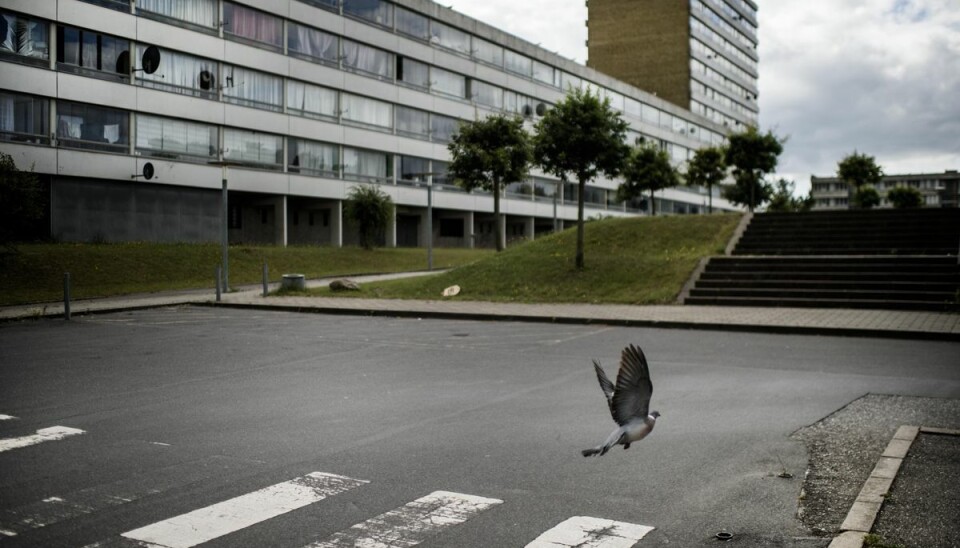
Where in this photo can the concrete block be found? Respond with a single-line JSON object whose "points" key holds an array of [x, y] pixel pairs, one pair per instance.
{"points": [[848, 539], [861, 516], [875, 489], [887, 467], [897, 449], [907, 432]]}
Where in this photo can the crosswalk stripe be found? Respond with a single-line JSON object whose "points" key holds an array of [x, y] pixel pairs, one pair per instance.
{"points": [[6, 417], [53, 433], [412, 523], [225, 517], [592, 532]]}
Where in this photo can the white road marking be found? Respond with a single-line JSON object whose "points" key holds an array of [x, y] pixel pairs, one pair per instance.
{"points": [[6, 417], [412, 523], [591, 532], [237, 513], [53, 433]]}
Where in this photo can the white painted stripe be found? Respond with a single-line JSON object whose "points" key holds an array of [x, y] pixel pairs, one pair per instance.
{"points": [[237, 513], [6, 417], [53, 433], [592, 532], [412, 523]]}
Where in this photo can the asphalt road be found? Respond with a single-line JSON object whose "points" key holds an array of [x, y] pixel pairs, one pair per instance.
{"points": [[184, 408]]}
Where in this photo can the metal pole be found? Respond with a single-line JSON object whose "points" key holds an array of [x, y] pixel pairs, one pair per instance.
{"points": [[66, 295], [265, 278], [217, 274], [223, 233], [429, 226]]}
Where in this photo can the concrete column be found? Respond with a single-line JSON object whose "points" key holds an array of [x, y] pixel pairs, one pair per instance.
{"points": [[280, 228], [468, 230], [530, 229], [503, 229], [424, 227], [336, 224], [391, 234]]}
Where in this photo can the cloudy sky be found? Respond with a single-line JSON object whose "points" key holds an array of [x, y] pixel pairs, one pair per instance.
{"points": [[880, 77]]}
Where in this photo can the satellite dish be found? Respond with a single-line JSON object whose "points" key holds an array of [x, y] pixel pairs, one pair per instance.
{"points": [[148, 171], [541, 109], [150, 59], [527, 110], [123, 63], [206, 80]]}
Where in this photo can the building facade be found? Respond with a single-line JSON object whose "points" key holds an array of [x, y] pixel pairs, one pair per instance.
{"points": [[937, 189], [698, 54], [292, 103]]}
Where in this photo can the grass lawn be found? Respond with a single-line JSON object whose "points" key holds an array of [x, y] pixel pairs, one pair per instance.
{"points": [[631, 261], [35, 273]]}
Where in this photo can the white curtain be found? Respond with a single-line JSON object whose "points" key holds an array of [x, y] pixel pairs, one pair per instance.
{"points": [[198, 12], [448, 82], [252, 86], [178, 70], [175, 136], [313, 42], [249, 146], [367, 59], [311, 99], [7, 112], [367, 111], [252, 24], [314, 156], [365, 164]]}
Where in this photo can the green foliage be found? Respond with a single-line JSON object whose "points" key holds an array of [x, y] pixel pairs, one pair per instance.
{"points": [[903, 197], [489, 153], [858, 170], [370, 209], [581, 136], [647, 168], [876, 541], [753, 156], [865, 197], [35, 274], [636, 260], [707, 168], [783, 200], [21, 203]]}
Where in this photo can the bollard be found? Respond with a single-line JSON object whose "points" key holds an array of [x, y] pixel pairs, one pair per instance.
{"points": [[265, 271], [66, 295], [217, 274]]}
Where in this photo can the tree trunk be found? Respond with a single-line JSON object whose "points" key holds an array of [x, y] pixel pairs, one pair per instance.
{"points": [[709, 198], [498, 228], [653, 205], [581, 192]]}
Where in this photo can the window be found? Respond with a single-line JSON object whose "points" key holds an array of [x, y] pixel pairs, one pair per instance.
{"points": [[414, 170], [25, 37], [332, 5], [252, 88], [197, 12], [616, 100], [92, 53], [442, 128], [253, 148], [449, 38], [486, 94], [313, 43], [650, 115], [369, 112], [413, 73], [250, 24], [412, 24], [544, 73], [568, 81], [361, 58], [632, 108], [413, 123], [366, 165], [449, 83], [441, 177], [181, 73], [487, 52], [311, 100], [91, 127], [375, 11], [543, 188], [170, 138], [119, 5], [518, 64], [519, 189], [313, 158], [24, 118]]}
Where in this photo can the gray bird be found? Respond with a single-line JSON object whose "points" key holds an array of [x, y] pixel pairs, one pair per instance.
{"points": [[629, 401]]}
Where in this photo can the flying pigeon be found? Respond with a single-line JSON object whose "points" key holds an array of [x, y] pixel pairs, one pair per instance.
{"points": [[629, 401]]}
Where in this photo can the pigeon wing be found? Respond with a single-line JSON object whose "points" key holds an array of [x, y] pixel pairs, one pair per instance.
{"points": [[605, 385], [631, 396]]}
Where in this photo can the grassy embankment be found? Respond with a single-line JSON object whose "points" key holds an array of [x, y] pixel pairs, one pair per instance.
{"points": [[35, 273], [631, 261]]}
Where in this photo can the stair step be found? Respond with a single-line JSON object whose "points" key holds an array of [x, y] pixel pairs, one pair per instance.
{"points": [[847, 294], [821, 303]]}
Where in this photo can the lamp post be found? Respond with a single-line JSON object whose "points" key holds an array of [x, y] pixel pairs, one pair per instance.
{"points": [[224, 219]]}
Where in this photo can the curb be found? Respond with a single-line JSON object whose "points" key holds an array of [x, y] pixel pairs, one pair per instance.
{"points": [[862, 515]]}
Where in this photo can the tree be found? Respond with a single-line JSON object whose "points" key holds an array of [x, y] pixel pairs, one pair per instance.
{"points": [[783, 200], [752, 155], [866, 197], [647, 168], [858, 170], [903, 197], [370, 208], [582, 136], [21, 203], [489, 153], [707, 168]]}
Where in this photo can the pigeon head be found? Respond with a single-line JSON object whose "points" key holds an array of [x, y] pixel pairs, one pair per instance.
{"points": [[655, 414]]}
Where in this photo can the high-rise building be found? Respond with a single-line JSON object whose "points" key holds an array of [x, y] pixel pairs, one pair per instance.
{"points": [[698, 54], [134, 112]]}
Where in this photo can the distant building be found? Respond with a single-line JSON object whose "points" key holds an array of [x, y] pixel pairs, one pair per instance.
{"points": [[938, 189], [698, 54]]}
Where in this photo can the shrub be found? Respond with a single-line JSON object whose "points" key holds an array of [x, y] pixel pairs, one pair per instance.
{"points": [[866, 197], [903, 197]]}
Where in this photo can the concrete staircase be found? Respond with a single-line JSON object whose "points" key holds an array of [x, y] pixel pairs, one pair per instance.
{"points": [[888, 259]]}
